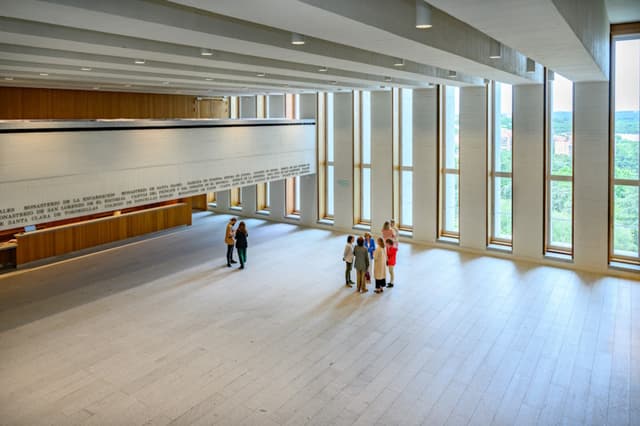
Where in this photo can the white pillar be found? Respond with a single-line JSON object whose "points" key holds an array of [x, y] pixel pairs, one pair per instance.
{"points": [[528, 168], [425, 164], [343, 160], [248, 107], [381, 159], [473, 167], [591, 190]]}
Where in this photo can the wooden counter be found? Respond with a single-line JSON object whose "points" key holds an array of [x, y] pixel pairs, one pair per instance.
{"points": [[77, 236]]}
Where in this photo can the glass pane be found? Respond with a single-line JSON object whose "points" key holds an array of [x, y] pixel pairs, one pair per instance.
{"points": [[330, 127], [627, 117], [329, 191], [366, 127], [406, 145], [452, 122], [503, 126], [502, 208], [365, 208], [296, 184], [561, 95], [451, 203], [561, 214], [406, 209], [625, 221]]}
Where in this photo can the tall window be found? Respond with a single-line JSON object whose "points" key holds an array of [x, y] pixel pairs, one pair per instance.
{"points": [[329, 208], [501, 164], [449, 163], [365, 158], [236, 198], [625, 152], [559, 165], [262, 197], [406, 159], [292, 196]]}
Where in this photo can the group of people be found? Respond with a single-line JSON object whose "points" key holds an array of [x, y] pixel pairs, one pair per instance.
{"points": [[237, 237], [383, 255]]}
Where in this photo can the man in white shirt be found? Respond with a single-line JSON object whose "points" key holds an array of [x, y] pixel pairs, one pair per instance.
{"points": [[348, 260]]}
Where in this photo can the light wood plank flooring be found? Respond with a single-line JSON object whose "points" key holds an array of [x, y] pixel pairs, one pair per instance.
{"points": [[162, 332]]}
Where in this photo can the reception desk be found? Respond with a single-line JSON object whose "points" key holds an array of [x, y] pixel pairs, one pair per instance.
{"points": [[60, 240]]}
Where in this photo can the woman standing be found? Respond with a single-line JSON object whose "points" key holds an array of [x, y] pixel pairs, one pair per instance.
{"points": [[380, 266], [241, 243], [361, 263], [391, 260], [396, 232], [388, 233], [370, 245]]}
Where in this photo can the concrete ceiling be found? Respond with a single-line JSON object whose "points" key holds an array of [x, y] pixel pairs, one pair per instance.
{"points": [[349, 44], [622, 11]]}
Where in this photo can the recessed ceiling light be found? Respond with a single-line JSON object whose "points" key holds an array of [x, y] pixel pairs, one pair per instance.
{"points": [[165, 82], [96, 88], [208, 79], [323, 69], [423, 15], [206, 52], [139, 61], [398, 62], [44, 74], [261, 74], [8, 78], [85, 69], [452, 74], [297, 39]]}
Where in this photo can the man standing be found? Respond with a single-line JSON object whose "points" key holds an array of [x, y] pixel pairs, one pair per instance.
{"points": [[229, 241]]}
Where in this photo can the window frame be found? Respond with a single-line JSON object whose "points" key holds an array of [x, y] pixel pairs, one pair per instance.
{"points": [[619, 32], [548, 247], [401, 168], [492, 144], [443, 171]]}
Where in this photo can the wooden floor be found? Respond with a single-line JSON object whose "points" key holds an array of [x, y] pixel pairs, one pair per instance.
{"points": [[162, 332]]}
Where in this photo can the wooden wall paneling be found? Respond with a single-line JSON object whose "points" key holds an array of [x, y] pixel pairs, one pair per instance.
{"points": [[18, 103], [64, 239]]}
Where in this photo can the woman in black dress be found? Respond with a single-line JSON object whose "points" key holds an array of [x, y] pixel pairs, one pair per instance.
{"points": [[241, 243]]}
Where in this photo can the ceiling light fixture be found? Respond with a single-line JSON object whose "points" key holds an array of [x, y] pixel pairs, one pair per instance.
{"points": [[260, 74], [8, 78], [531, 65], [452, 74], [206, 52], [297, 39], [139, 61], [44, 74], [208, 79], [495, 49], [165, 82], [323, 69], [398, 62], [85, 69], [423, 15]]}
